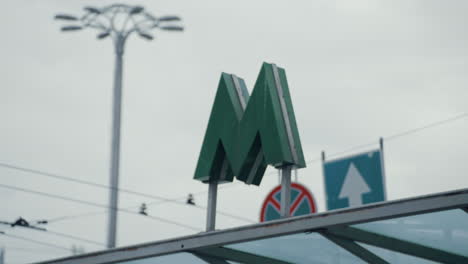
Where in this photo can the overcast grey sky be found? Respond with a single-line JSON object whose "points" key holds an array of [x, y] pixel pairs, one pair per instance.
{"points": [[357, 70]]}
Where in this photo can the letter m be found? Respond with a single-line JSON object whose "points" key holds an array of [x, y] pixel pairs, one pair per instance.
{"points": [[247, 133]]}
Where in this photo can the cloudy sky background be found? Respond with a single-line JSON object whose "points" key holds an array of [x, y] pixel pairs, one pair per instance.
{"points": [[357, 70]]}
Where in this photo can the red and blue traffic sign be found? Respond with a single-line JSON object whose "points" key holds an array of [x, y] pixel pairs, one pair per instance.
{"points": [[302, 203]]}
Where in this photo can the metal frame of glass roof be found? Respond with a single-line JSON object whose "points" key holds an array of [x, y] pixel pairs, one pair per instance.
{"points": [[338, 226]]}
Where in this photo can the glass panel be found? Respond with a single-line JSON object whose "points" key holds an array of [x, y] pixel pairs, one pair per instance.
{"points": [[298, 248], [446, 230], [178, 258], [395, 257]]}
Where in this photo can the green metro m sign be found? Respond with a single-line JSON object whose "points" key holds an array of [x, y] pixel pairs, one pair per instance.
{"points": [[245, 134]]}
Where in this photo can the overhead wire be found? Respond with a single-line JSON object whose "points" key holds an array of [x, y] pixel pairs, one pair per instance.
{"points": [[59, 234], [20, 189], [388, 138], [76, 238], [163, 199], [68, 217], [35, 241], [98, 185], [94, 184], [74, 216], [430, 125], [29, 250], [396, 135], [5, 186], [177, 200], [229, 215]]}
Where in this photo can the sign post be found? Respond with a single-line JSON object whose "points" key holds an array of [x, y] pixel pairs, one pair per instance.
{"points": [[355, 180], [285, 191], [211, 211], [2, 256]]}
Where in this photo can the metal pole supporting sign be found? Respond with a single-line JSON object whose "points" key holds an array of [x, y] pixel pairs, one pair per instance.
{"points": [[382, 161], [211, 212], [285, 191], [296, 176]]}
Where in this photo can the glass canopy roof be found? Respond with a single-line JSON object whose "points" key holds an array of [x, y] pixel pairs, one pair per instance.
{"points": [[430, 229]]}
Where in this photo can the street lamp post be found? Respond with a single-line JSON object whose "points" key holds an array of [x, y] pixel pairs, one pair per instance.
{"points": [[118, 21]]}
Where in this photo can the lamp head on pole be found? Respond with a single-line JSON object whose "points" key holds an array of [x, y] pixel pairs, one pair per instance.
{"points": [[65, 17], [136, 10], [71, 28], [169, 18], [91, 9], [146, 35], [172, 28], [119, 21], [103, 35]]}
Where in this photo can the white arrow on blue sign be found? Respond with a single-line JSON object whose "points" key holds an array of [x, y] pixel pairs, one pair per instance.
{"points": [[354, 180]]}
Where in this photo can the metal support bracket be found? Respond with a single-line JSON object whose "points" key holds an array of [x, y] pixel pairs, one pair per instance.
{"points": [[355, 249], [397, 245], [237, 256], [209, 259]]}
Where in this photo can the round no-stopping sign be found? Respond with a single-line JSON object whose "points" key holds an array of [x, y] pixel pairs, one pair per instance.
{"points": [[302, 203]]}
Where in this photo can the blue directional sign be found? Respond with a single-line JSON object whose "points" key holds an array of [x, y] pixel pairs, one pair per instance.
{"points": [[354, 180]]}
